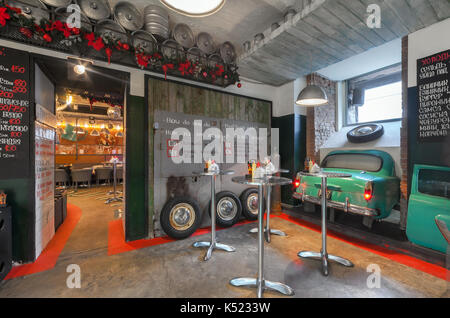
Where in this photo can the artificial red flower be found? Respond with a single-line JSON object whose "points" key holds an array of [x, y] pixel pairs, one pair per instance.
{"points": [[125, 46], [108, 52], [220, 70], [47, 37], [142, 60], [98, 44], [27, 32], [4, 16], [165, 68], [157, 56], [184, 67]]}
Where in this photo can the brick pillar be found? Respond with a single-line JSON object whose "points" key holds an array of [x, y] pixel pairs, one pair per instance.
{"points": [[321, 121], [404, 137]]}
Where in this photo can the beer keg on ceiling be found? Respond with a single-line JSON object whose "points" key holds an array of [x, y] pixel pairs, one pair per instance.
{"points": [[228, 53], [195, 55], [183, 34], [172, 50], [57, 3], [144, 41], [156, 21], [95, 9], [205, 43], [128, 16], [109, 29], [31, 9]]}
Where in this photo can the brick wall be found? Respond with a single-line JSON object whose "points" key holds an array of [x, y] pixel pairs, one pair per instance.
{"points": [[321, 121], [404, 137]]}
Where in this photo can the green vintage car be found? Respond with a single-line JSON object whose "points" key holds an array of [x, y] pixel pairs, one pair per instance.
{"points": [[373, 190], [428, 221]]}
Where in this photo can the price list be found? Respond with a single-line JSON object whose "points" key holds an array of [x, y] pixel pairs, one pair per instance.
{"points": [[14, 113], [433, 117]]}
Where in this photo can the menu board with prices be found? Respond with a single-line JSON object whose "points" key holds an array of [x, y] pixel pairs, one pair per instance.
{"points": [[433, 115], [14, 114]]}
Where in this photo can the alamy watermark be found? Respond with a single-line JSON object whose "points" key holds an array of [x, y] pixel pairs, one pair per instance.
{"points": [[374, 16], [74, 279], [231, 148]]}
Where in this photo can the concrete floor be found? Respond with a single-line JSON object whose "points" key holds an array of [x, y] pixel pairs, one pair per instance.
{"points": [[177, 270]]}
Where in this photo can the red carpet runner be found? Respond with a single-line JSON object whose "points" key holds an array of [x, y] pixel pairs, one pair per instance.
{"points": [[47, 260]]}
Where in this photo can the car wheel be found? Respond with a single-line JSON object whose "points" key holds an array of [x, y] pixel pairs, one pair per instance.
{"points": [[249, 200], [365, 133], [228, 209], [180, 217]]}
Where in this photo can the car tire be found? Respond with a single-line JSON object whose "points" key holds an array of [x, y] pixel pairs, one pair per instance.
{"points": [[249, 205], [180, 217], [365, 133], [228, 209]]}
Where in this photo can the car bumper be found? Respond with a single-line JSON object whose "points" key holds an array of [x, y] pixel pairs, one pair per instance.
{"points": [[344, 206]]}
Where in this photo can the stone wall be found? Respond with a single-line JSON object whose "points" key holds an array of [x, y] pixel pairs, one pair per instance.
{"points": [[321, 121]]}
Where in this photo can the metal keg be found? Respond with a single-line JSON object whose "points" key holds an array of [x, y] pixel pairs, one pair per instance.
{"points": [[194, 54], [128, 16], [143, 41], [183, 34], [31, 9], [62, 14], [95, 9], [247, 46], [228, 53], [111, 29], [289, 15], [214, 60], [172, 50], [205, 43], [274, 26], [156, 21], [57, 3]]}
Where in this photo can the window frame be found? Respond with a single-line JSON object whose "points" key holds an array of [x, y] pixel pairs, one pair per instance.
{"points": [[347, 90]]}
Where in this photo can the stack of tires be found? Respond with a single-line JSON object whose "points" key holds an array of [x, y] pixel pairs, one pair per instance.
{"points": [[182, 216]]}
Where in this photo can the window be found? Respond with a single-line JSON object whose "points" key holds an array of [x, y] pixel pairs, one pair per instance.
{"points": [[435, 182], [376, 96], [360, 162]]}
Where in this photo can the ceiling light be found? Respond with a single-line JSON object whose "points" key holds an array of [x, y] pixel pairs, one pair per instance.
{"points": [[79, 69], [312, 95], [194, 8]]}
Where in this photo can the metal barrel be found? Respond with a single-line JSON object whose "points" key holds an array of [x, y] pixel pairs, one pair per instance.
{"points": [[156, 21]]}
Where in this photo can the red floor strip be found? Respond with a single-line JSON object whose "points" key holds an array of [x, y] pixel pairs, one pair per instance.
{"points": [[47, 259], [407, 260], [117, 244]]}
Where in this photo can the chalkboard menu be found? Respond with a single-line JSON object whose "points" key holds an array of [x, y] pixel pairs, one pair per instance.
{"points": [[433, 109], [14, 114]]}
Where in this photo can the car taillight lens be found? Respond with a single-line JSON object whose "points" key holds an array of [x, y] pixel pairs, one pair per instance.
{"points": [[296, 183], [368, 191]]}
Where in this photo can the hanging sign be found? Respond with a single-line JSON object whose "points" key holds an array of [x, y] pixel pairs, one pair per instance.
{"points": [[14, 114], [433, 84]]}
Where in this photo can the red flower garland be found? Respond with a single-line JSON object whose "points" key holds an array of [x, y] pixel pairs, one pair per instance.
{"points": [[4, 16]]}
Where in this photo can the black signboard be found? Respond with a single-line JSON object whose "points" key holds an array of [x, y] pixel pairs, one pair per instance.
{"points": [[433, 111], [14, 114]]}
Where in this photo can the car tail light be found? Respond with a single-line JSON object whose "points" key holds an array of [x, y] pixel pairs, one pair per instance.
{"points": [[296, 183], [368, 191]]}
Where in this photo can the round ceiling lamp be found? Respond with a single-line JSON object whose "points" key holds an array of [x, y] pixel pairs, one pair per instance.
{"points": [[312, 95], [80, 69], [194, 8]]}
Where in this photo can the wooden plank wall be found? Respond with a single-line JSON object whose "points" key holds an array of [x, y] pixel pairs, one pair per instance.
{"points": [[188, 99]]}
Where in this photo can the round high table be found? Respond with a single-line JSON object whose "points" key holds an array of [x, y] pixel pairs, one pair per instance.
{"points": [[213, 244], [114, 192], [259, 282], [268, 230], [323, 254]]}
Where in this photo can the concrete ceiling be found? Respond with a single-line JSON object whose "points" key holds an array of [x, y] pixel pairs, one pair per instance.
{"points": [[237, 21], [329, 31]]}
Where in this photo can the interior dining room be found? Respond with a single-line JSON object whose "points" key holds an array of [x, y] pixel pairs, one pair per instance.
{"points": [[221, 156]]}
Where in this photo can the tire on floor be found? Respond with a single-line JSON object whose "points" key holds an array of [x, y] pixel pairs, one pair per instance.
{"points": [[180, 217], [228, 209], [249, 201]]}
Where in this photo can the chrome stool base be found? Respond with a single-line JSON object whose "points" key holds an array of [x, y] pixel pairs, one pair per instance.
{"points": [[262, 285], [325, 258], [113, 200], [212, 247], [266, 235]]}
